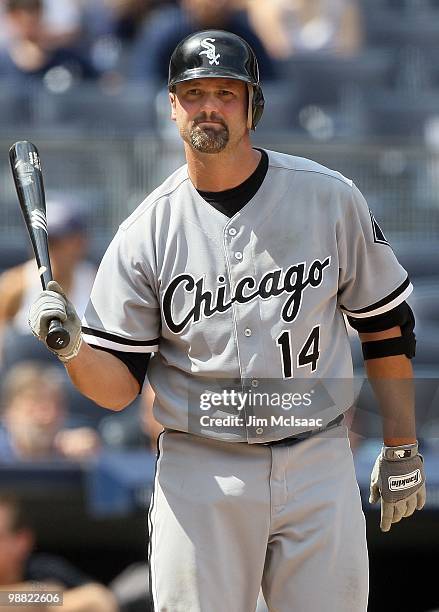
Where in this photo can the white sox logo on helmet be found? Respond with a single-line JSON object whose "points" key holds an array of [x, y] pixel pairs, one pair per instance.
{"points": [[210, 51], [38, 220]]}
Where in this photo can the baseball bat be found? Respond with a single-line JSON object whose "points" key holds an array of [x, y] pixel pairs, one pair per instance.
{"points": [[28, 179]]}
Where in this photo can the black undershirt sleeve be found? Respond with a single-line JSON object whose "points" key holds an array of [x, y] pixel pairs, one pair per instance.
{"points": [[137, 363], [405, 344], [401, 315]]}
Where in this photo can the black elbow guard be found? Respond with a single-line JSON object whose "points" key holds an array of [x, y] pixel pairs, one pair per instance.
{"points": [[405, 344]]}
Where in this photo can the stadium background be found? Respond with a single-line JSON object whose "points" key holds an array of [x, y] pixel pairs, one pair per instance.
{"points": [[352, 85]]}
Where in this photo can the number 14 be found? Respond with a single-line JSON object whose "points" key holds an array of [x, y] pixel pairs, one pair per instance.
{"points": [[309, 353]]}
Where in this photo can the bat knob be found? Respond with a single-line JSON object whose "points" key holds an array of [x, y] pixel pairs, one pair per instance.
{"points": [[57, 337]]}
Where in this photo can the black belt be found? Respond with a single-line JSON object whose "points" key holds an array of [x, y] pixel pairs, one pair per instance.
{"points": [[305, 434]]}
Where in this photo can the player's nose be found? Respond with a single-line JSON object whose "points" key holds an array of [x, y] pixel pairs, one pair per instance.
{"points": [[210, 103]]}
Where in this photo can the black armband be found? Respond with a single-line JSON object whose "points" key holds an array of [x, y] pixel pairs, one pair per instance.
{"points": [[405, 344], [402, 345]]}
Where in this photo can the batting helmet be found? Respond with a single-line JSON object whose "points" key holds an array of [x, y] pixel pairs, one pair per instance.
{"points": [[214, 54]]}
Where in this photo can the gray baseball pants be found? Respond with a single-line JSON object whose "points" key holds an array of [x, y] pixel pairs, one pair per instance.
{"points": [[228, 517]]}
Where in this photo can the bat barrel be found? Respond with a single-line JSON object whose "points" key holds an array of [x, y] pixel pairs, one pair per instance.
{"points": [[28, 179], [26, 170]]}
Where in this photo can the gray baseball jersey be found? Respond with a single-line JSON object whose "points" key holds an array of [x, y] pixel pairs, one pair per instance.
{"points": [[256, 297]]}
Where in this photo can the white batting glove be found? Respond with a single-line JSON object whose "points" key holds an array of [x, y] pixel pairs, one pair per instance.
{"points": [[398, 479], [54, 304]]}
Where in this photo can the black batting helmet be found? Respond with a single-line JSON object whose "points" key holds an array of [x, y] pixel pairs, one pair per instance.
{"points": [[217, 53]]}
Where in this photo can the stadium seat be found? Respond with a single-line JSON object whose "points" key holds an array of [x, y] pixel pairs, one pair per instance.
{"points": [[15, 104], [128, 109], [425, 300], [281, 100], [12, 255], [409, 27], [420, 261], [322, 77], [403, 117]]}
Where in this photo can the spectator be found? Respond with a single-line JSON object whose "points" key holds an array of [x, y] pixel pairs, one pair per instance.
{"points": [[34, 415], [170, 24], [127, 16], [20, 285], [110, 28], [287, 27], [61, 21], [29, 51], [20, 568]]}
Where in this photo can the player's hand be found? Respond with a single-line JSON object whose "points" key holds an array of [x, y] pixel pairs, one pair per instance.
{"points": [[400, 484], [53, 304]]}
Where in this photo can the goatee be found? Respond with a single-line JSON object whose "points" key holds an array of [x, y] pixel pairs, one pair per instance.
{"points": [[209, 139]]}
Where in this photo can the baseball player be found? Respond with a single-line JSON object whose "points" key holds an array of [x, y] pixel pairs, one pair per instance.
{"points": [[231, 277]]}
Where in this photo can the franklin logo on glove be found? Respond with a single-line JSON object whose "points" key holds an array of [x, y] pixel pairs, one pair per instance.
{"points": [[405, 482]]}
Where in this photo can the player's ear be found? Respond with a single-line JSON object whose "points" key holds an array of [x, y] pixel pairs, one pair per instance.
{"points": [[173, 101]]}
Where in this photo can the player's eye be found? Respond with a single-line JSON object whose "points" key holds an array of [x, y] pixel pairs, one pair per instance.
{"points": [[224, 93], [193, 92]]}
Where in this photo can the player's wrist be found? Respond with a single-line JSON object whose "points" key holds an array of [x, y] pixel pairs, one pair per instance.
{"points": [[401, 441], [401, 451], [73, 351]]}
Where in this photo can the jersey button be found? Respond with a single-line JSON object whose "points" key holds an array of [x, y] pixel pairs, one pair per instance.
{"points": [[238, 255], [232, 231], [259, 431], [248, 332], [255, 383]]}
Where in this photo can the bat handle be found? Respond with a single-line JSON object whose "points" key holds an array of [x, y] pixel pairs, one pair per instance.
{"points": [[57, 337]]}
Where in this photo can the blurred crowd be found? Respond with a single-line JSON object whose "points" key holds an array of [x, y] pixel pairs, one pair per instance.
{"points": [[97, 39], [331, 68]]}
